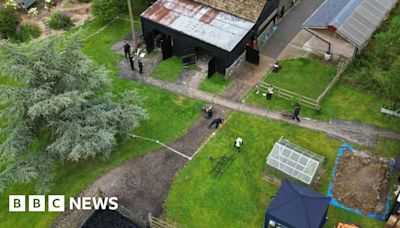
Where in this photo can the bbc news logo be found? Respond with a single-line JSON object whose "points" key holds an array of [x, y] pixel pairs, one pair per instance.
{"points": [[56, 203]]}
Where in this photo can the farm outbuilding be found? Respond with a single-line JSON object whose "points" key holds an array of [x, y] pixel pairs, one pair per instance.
{"points": [[344, 27], [223, 33], [295, 206]]}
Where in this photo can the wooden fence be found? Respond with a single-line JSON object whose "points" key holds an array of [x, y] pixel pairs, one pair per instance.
{"points": [[303, 100], [158, 223], [341, 67], [289, 95]]}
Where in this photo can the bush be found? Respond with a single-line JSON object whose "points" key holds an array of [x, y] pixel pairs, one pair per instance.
{"points": [[59, 20], [108, 9], [84, 1], [8, 23], [26, 32]]}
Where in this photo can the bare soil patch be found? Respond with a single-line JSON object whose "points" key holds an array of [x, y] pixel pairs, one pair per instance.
{"points": [[362, 182]]}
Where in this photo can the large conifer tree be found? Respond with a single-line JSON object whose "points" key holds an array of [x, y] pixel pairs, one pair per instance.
{"points": [[58, 110]]}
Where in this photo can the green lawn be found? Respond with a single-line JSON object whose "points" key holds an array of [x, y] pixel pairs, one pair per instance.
{"points": [[216, 84], [240, 197], [168, 70], [74, 177], [307, 77], [344, 101]]}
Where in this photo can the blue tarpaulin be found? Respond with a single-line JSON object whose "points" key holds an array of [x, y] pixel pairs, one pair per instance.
{"points": [[296, 206], [334, 202]]}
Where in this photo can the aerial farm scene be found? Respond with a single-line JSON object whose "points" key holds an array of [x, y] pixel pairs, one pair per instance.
{"points": [[200, 113]]}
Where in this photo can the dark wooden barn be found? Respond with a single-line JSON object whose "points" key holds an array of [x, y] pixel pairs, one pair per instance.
{"points": [[222, 32]]}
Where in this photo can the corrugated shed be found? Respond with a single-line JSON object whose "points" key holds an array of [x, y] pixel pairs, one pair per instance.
{"points": [[364, 20], [247, 9], [355, 20], [207, 24], [330, 11]]}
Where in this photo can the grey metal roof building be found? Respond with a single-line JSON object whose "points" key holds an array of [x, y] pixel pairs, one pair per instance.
{"points": [[354, 20]]}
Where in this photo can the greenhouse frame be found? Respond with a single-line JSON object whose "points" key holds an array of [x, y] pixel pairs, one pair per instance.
{"points": [[295, 161]]}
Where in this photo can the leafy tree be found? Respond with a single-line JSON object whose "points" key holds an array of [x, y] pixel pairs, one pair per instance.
{"points": [[60, 110], [108, 9], [8, 23]]}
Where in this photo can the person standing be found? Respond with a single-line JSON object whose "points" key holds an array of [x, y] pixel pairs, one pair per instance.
{"points": [[140, 64], [209, 113], [296, 112], [127, 50], [132, 62], [270, 92], [238, 144], [216, 122]]}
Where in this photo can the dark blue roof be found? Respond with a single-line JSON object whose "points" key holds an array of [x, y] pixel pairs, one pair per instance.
{"points": [[331, 12], [297, 206]]}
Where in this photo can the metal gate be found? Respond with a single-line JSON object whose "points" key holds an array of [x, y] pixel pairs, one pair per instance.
{"points": [[188, 59], [211, 67], [252, 55], [166, 48]]}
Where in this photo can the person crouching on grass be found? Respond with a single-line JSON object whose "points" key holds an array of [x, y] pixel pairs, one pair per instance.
{"points": [[238, 144]]}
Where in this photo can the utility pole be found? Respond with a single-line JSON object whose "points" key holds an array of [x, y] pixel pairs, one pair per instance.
{"points": [[134, 44]]}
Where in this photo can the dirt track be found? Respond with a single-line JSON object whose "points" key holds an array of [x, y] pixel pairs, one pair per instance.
{"points": [[362, 182], [142, 184]]}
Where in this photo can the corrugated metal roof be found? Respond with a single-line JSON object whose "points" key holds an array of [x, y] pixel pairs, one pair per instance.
{"points": [[247, 9], [355, 20], [365, 19], [325, 14], [207, 24]]}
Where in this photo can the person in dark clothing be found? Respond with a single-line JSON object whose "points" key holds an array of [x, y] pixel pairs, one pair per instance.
{"points": [[209, 113], [296, 113], [140, 64], [216, 122], [132, 62], [127, 50]]}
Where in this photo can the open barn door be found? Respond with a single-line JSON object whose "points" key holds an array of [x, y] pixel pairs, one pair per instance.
{"points": [[166, 48], [212, 68], [252, 55]]}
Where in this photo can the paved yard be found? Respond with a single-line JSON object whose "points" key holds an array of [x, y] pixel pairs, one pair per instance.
{"points": [[289, 27]]}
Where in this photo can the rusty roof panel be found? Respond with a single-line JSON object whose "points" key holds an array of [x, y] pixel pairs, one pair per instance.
{"points": [[212, 26]]}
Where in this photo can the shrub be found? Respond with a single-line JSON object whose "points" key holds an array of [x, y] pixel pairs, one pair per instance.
{"points": [[84, 1], [8, 23], [12, 4], [108, 9], [33, 12], [48, 4], [59, 20], [26, 32]]}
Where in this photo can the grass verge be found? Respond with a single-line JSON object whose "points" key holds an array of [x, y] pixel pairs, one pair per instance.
{"points": [[168, 70], [216, 84]]}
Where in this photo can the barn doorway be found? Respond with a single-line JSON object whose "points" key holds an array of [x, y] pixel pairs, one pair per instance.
{"points": [[202, 58], [164, 42]]}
